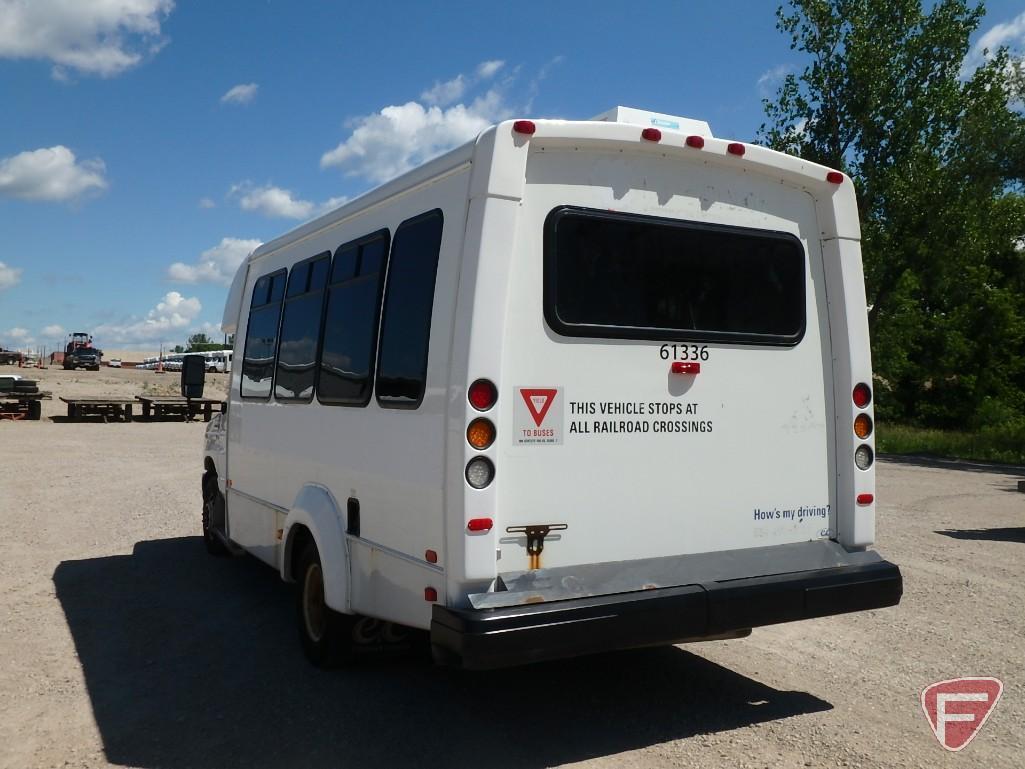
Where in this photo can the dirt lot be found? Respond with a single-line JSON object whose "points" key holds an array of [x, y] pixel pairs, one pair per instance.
{"points": [[123, 643]]}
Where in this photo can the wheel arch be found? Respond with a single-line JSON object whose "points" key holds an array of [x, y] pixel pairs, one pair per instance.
{"points": [[315, 516]]}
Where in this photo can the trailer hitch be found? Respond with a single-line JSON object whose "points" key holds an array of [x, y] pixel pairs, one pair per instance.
{"points": [[536, 539]]}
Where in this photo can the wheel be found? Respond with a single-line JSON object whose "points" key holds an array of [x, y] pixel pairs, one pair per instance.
{"points": [[213, 513], [326, 635], [35, 409], [94, 368]]}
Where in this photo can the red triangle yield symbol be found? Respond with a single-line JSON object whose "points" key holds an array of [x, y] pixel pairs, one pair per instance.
{"points": [[538, 401]]}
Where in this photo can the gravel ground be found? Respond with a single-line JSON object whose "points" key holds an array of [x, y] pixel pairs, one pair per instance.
{"points": [[124, 644]]}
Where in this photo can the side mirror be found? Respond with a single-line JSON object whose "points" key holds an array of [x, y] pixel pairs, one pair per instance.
{"points": [[193, 376]]}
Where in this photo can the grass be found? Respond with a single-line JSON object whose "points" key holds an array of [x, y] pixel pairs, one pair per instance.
{"points": [[1003, 443]]}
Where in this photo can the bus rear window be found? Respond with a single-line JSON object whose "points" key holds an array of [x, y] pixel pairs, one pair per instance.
{"points": [[615, 275]]}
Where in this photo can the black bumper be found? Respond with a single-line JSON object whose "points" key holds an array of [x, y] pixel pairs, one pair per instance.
{"points": [[513, 635]]}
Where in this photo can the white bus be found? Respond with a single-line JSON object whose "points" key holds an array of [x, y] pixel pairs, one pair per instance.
{"points": [[573, 386]]}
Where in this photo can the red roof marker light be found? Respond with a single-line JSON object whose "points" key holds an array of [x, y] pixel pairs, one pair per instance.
{"points": [[834, 177], [651, 134], [524, 127], [697, 142], [736, 148]]}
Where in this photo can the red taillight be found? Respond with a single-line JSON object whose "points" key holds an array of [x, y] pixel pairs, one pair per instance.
{"points": [[862, 395], [651, 134], [866, 499], [697, 142], [524, 127], [482, 395], [431, 556], [685, 367], [834, 177], [430, 594], [736, 148], [480, 524]]}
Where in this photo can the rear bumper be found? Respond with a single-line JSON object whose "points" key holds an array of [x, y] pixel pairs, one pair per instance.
{"points": [[512, 635]]}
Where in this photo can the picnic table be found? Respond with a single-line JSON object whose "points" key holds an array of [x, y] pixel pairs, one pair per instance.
{"points": [[120, 408], [177, 405], [15, 405]]}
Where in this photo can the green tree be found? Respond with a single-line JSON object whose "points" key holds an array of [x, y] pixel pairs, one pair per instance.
{"points": [[202, 343], [936, 150]]}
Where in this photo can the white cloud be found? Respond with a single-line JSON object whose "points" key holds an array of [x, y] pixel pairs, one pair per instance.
{"points": [[1009, 33], [50, 174], [771, 78], [52, 331], [274, 201], [271, 201], [9, 276], [400, 137], [488, 69], [92, 37], [207, 203], [215, 265], [19, 335], [240, 94], [170, 319]]}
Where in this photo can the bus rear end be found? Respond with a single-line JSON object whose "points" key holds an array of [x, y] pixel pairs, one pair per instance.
{"points": [[681, 405]]}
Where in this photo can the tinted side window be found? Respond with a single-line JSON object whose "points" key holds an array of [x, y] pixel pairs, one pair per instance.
{"points": [[409, 301], [350, 321], [300, 329], [262, 335]]}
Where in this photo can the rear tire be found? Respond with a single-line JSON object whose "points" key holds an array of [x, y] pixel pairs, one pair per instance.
{"points": [[326, 635]]}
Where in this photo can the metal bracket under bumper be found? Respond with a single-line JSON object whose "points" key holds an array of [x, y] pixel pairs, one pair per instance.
{"points": [[499, 637]]}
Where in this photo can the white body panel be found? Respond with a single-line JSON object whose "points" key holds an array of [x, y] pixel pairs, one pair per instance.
{"points": [[780, 436]]}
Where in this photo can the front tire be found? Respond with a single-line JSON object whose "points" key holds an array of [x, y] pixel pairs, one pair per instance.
{"points": [[213, 511], [326, 635]]}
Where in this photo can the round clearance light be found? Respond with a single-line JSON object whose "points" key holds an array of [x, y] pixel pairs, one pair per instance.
{"points": [[651, 134], [479, 472], [863, 426], [524, 127], [862, 395], [862, 457], [482, 395], [834, 177], [736, 148], [481, 433]]}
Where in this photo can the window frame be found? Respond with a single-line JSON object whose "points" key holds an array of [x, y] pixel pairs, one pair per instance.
{"points": [[384, 234], [656, 334], [285, 299], [434, 212], [277, 335]]}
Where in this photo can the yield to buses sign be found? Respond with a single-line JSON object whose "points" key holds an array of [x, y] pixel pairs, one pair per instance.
{"points": [[537, 416]]}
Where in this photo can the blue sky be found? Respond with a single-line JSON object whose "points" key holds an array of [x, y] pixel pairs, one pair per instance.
{"points": [[148, 145]]}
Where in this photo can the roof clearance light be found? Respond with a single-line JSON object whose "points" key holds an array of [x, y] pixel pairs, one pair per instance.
{"points": [[736, 148], [524, 127], [862, 395], [863, 457], [697, 142], [863, 426], [481, 433], [479, 472], [651, 134], [431, 556], [480, 524], [834, 177], [866, 499], [482, 395]]}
